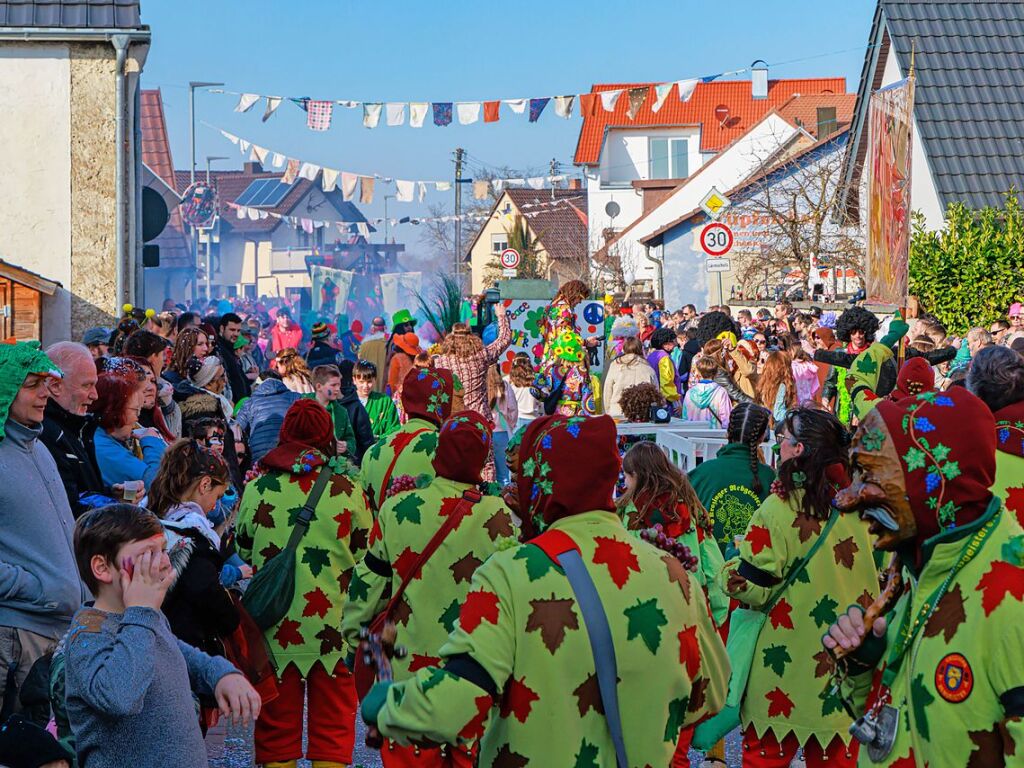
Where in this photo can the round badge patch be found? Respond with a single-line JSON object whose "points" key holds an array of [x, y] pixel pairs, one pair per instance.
{"points": [[954, 679]]}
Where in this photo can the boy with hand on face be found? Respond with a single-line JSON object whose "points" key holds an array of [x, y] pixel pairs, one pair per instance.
{"points": [[128, 679]]}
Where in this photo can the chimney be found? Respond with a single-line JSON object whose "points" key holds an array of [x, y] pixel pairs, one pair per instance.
{"points": [[827, 123], [252, 166]]}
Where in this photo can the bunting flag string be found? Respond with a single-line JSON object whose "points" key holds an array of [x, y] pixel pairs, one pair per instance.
{"points": [[319, 111], [407, 190], [362, 227]]}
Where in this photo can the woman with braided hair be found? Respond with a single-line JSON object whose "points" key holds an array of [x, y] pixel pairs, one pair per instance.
{"points": [[734, 483]]}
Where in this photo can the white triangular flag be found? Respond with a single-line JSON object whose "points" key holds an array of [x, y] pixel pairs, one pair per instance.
{"points": [[273, 102], [230, 137], [348, 104], [686, 88], [563, 106], [348, 184], [404, 190], [363, 228], [245, 101], [469, 112], [330, 179], [240, 211], [515, 182], [516, 105], [259, 154], [309, 171], [442, 186], [395, 113], [423, 190], [371, 114], [254, 215], [497, 184], [417, 113], [243, 146], [608, 99], [277, 160], [535, 182], [660, 94]]}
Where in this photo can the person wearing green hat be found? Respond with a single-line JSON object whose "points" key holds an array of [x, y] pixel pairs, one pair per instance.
{"points": [[39, 585]]}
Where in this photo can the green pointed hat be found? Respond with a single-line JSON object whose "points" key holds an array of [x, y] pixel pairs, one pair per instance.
{"points": [[18, 360]]}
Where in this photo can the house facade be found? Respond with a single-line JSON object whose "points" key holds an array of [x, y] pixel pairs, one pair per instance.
{"points": [[968, 126], [69, 96], [631, 165], [557, 219], [757, 233], [248, 251]]}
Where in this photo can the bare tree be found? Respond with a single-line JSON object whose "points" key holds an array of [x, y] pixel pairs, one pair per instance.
{"points": [[792, 209]]}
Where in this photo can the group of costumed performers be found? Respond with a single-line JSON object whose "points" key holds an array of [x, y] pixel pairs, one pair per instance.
{"points": [[563, 384]]}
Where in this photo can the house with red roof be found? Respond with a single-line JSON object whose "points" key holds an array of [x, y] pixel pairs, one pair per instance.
{"points": [[555, 218], [635, 165]]}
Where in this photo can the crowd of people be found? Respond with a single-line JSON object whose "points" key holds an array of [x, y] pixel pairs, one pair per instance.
{"points": [[232, 514]]}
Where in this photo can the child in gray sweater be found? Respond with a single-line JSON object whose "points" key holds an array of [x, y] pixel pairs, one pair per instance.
{"points": [[127, 678]]}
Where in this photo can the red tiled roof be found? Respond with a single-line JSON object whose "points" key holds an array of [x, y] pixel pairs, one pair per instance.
{"points": [[802, 110], [156, 154], [560, 228], [744, 111]]}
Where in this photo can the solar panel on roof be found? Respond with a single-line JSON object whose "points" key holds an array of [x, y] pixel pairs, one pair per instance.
{"points": [[263, 193]]}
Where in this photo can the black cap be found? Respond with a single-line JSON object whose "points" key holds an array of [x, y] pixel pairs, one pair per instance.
{"points": [[24, 744]]}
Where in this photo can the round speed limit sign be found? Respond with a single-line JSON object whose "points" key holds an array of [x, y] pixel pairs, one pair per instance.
{"points": [[716, 239], [509, 258]]}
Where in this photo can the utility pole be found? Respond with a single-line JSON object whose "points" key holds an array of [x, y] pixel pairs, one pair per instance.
{"points": [[554, 172], [387, 221], [459, 152], [193, 84]]}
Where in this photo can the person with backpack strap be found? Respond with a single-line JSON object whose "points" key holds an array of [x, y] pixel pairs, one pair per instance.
{"points": [[548, 626], [305, 523], [802, 567], [427, 402], [454, 529]]}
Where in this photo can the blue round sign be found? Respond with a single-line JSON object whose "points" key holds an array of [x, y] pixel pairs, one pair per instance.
{"points": [[593, 313]]}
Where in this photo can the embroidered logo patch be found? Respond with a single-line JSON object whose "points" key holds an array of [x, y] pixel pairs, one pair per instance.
{"points": [[954, 679]]}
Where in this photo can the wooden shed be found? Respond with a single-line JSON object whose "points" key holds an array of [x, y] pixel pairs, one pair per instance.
{"points": [[21, 291]]}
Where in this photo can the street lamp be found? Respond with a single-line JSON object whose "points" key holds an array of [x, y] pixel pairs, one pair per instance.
{"points": [[193, 84], [213, 159]]}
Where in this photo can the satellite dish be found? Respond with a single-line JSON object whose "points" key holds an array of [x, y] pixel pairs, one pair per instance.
{"points": [[721, 113], [612, 209]]}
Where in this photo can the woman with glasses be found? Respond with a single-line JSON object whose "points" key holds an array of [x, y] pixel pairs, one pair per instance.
{"points": [[788, 703], [128, 456]]}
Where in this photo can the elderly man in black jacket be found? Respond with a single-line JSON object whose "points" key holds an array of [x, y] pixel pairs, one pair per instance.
{"points": [[68, 428]]}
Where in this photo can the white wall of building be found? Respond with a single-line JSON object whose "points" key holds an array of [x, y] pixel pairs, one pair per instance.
{"points": [[35, 203], [625, 158], [735, 163]]}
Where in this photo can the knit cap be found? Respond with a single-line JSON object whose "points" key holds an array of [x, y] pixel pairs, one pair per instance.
{"points": [[320, 331], [427, 394], [463, 445], [19, 359], [207, 370]]}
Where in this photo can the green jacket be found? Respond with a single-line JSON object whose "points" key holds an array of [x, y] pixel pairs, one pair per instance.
{"points": [[723, 486], [960, 687], [430, 605], [342, 424], [521, 631], [409, 451], [324, 562], [383, 415], [788, 690]]}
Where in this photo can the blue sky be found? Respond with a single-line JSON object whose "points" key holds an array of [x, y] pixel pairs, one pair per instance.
{"points": [[451, 51]]}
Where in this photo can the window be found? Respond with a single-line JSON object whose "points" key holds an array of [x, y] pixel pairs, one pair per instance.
{"points": [[499, 243], [669, 158]]}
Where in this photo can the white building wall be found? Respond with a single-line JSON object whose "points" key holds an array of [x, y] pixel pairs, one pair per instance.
{"points": [[730, 167], [35, 203], [625, 158]]}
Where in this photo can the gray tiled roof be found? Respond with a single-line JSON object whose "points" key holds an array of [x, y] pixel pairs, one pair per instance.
{"points": [[969, 100], [71, 14]]}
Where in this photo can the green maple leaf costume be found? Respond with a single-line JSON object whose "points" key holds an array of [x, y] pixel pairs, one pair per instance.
{"points": [[785, 658], [415, 454], [520, 626], [960, 688], [324, 560], [445, 580]]}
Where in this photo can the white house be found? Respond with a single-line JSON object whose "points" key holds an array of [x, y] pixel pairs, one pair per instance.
{"points": [[633, 164]]}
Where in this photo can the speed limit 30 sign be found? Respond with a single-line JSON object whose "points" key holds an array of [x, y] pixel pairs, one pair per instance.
{"points": [[716, 239], [509, 258]]}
